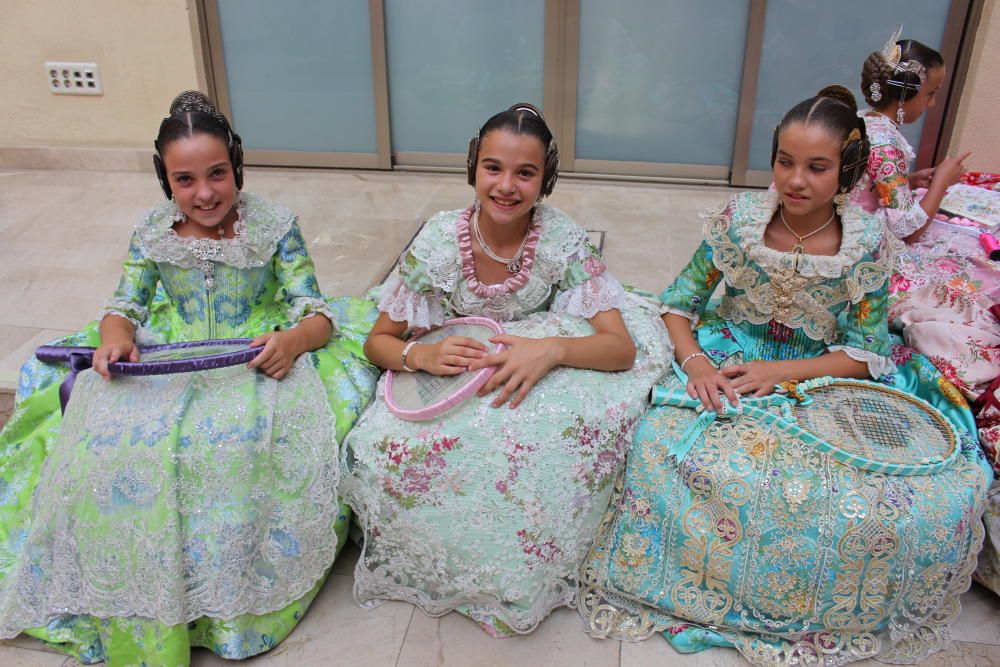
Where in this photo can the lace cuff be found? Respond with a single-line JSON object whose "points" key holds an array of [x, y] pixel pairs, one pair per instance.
{"points": [[130, 310], [596, 295], [904, 223], [877, 364], [303, 307], [402, 304], [664, 309]]}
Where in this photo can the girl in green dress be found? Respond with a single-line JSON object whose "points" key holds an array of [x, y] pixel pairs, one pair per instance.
{"points": [[196, 509]]}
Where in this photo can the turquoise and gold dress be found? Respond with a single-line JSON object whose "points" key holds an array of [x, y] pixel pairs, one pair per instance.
{"points": [[738, 531], [197, 509]]}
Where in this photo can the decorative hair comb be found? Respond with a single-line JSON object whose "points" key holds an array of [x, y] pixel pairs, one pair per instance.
{"points": [[892, 52], [194, 100]]}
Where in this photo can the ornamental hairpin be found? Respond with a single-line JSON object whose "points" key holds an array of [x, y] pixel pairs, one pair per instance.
{"points": [[892, 52]]}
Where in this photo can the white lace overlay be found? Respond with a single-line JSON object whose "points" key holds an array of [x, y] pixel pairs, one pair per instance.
{"points": [[195, 504], [401, 304], [305, 306], [596, 295], [877, 364], [126, 308], [258, 228]]}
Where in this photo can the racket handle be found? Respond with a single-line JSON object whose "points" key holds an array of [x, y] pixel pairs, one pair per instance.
{"points": [[990, 245]]}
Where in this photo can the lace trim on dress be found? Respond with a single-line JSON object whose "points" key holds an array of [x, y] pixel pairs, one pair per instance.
{"points": [[877, 364], [402, 304], [596, 295], [259, 226], [769, 284], [126, 308], [693, 317], [306, 306], [883, 132]]}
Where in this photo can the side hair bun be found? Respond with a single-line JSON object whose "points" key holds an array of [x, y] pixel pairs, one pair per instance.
{"points": [[841, 94]]}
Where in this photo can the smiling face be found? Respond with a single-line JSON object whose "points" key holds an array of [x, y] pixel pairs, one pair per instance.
{"points": [[926, 97], [201, 178], [807, 168], [509, 175]]}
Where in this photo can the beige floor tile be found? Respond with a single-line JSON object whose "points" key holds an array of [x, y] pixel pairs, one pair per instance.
{"points": [[11, 363], [980, 619], [965, 654], [12, 337], [657, 652], [454, 640], [13, 656], [335, 631]]}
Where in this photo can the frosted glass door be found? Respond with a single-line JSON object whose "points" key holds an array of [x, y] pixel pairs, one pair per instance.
{"points": [[299, 74], [659, 80]]}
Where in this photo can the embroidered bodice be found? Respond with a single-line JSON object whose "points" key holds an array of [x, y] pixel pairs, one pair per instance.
{"points": [[885, 183], [260, 279], [565, 274], [781, 305]]}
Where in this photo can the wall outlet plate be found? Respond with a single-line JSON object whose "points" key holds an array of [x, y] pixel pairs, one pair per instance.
{"points": [[74, 78]]}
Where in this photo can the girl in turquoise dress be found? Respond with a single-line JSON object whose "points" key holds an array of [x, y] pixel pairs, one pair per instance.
{"points": [[489, 508], [197, 509], [730, 528]]}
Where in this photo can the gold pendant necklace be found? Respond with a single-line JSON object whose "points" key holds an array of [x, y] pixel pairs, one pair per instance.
{"points": [[799, 248]]}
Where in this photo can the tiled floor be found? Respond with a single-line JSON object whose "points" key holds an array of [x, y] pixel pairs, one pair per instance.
{"points": [[63, 235]]}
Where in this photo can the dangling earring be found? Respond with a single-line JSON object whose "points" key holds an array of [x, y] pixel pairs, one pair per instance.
{"points": [[899, 114], [839, 201], [178, 215], [477, 207], [876, 91]]}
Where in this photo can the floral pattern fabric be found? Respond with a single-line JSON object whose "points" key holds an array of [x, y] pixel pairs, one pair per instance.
{"points": [[490, 511], [738, 531], [885, 183], [218, 495]]}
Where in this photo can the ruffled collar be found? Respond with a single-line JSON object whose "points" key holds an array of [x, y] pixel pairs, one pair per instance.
{"points": [[883, 132], [258, 228], [751, 213], [515, 282]]}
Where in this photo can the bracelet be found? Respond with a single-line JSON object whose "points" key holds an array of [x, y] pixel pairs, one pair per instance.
{"points": [[406, 351], [692, 356]]}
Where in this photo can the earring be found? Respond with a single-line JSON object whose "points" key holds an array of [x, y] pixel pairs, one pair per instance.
{"points": [[876, 91], [900, 116], [840, 201], [178, 215]]}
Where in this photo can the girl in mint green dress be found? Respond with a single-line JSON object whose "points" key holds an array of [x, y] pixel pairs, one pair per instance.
{"points": [[196, 509]]}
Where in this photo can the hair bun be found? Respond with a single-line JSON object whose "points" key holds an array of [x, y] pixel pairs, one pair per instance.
{"points": [[841, 94]]}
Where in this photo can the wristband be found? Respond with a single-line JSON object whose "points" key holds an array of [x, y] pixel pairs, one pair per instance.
{"points": [[406, 351]]}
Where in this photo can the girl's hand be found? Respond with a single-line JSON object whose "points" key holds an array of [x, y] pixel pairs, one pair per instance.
{"points": [[704, 383], [521, 366], [451, 356], [921, 178], [758, 377], [950, 170], [109, 353], [281, 349]]}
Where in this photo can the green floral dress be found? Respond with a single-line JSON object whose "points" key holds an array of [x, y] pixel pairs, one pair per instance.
{"points": [[197, 509], [737, 530]]}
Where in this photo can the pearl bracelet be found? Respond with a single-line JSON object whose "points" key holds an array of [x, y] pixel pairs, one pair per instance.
{"points": [[692, 356], [406, 351]]}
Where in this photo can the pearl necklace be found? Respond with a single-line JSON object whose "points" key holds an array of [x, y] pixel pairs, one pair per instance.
{"points": [[513, 264], [798, 248]]}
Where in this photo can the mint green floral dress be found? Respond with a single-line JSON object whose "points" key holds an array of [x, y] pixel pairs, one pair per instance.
{"points": [[489, 511], [196, 509], [737, 530]]}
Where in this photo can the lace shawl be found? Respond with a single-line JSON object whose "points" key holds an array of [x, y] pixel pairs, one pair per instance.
{"points": [[430, 286]]}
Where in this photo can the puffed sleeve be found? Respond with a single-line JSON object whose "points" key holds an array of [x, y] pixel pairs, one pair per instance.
{"points": [[865, 336], [410, 296], [690, 292], [296, 276], [587, 287], [136, 287], [888, 168]]}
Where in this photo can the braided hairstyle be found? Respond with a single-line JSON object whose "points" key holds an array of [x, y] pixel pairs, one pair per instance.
{"points": [[835, 109], [522, 118], [193, 113], [894, 84]]}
